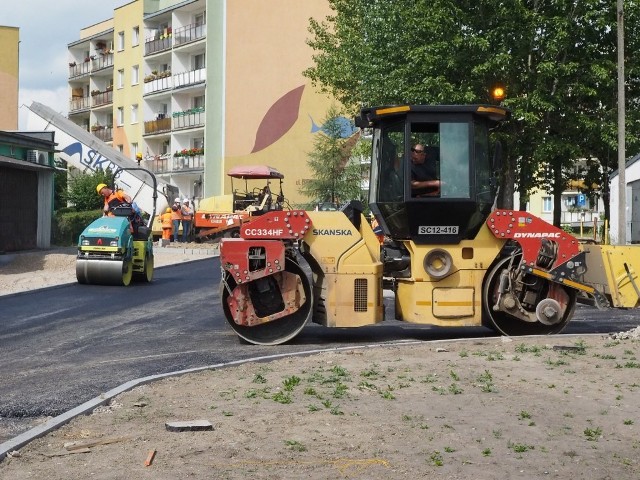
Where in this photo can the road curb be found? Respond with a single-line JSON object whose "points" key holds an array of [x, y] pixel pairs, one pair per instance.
{"points": [[54, 423]]}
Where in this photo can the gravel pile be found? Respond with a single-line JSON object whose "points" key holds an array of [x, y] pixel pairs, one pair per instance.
{"points": [[632, 334]]}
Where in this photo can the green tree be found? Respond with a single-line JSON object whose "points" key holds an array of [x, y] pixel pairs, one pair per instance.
{"points": [[336, 178], [557, 59], [82, 189], [60, 185]]}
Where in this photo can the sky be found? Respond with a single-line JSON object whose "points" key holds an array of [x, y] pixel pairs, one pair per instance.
{"points": [[46, 28]]}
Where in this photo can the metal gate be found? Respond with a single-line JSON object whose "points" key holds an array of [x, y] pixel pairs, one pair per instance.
{"points": [[18, 209]]}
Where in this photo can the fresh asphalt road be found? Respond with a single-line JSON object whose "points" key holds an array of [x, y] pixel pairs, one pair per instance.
{"points": [[65, 345]]}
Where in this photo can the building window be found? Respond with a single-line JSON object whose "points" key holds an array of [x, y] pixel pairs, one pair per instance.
{"points": [[120, 78], [198, 101], [199, 19], [134, 113], [134, 149], [120, 41], [120, 148], [198, 61], [135, 75], [547, 205], [135, 36], [120, 116]]}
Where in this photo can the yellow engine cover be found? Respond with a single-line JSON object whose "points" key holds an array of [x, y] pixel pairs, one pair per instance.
{"points": [[348, 284], [455, 299]]}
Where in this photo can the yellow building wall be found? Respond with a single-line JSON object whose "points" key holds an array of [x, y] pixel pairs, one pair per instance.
{"points": [[9, 77], [126, 18], [269, 104]]}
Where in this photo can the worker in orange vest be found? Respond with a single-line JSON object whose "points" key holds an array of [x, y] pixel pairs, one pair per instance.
{"points": [[112, 198], [167, 224]]}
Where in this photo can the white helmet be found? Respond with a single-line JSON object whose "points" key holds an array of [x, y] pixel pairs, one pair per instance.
{"points": [[177, 200]]}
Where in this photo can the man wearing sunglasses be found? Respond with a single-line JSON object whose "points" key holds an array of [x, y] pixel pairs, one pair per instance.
{"points": [[424, 177]]}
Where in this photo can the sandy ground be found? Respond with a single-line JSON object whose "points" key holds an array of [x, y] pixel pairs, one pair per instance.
{"points": [[552, 407], [25, 271]]}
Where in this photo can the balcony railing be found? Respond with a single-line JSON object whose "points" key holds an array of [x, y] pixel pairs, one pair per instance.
{"points": [[103, 61], [102, 98], [155, 45], [79, 103], [103, 133], [157, 126], [189, 78], [169, 164], [79, 69], [157, 85], [188, 119], [188, 163], [189, 33], [159, 164]]}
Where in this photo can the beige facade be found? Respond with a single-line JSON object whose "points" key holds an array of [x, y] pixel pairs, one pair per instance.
{"points": [[219, 84], [9, 65]]}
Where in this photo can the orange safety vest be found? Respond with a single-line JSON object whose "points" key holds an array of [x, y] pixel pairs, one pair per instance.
{"points": [[176, 214], [187, 213], [116, 198], [166, 220]]}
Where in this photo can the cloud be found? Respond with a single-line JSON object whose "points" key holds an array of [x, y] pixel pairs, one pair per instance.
{"points": [[46, 29], [57, 99]]}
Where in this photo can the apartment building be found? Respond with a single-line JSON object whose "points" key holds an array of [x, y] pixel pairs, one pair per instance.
{"points": [[192, 88], [9, 41]]}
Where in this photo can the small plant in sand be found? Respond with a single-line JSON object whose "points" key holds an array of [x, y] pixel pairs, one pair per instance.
{"points": [[295, 445]]}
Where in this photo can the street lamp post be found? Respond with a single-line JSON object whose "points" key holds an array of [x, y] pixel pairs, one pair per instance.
{"points": [[622, 188]]}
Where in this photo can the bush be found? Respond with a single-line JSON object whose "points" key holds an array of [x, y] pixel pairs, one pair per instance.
{"points": [[67, 226]]}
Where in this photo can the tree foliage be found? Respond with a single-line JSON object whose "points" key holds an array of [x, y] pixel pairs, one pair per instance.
{"points": [[336, 179], [82, 189], [557, 59]]}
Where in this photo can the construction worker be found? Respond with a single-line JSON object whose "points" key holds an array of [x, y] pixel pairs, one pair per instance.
{"points": [[167, 224], [187, 217], [176, 218], [112, 198]]}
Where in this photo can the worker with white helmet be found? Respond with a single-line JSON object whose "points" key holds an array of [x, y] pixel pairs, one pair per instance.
{"points": [[187, 218], [176, 218]]}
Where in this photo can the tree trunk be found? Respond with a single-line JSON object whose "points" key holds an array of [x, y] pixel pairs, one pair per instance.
{"points": [[558, 188], [507, 188]]}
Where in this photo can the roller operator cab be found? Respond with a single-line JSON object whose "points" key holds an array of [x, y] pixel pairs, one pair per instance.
{"points": [[448, 256], [454, 152]]}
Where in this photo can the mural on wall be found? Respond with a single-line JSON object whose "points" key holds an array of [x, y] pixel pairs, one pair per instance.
{"points": [[285, 136], [283, 114]]}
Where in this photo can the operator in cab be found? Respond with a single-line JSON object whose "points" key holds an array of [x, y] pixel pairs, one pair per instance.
{"points": [[424, 177], [112, 198]]}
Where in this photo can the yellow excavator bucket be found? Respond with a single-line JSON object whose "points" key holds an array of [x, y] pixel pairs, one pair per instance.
{"points": [[615, 270]]}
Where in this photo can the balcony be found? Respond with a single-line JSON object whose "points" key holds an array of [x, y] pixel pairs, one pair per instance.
{"points": [[99, 98], [79, 103], [188, 34], [159, 125], [166, 164], [193, 77], [156, 45], [80, 69], [188, 163], [103, 133], [157, 82], [103, 61], [189, 118]]}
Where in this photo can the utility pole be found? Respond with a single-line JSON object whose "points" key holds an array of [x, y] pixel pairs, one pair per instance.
{"points": [[622, 181]]}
